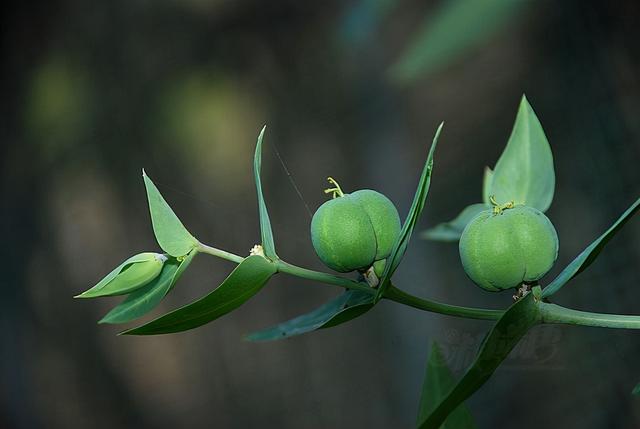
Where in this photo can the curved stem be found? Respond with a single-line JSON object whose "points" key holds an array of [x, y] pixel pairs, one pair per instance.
{"points": [[203, 248], [394, 294], [285, 267], [552, 313]]}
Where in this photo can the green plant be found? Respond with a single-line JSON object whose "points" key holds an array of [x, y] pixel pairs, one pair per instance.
{"points": [[508, 246], [354, 231], [523, 176]]}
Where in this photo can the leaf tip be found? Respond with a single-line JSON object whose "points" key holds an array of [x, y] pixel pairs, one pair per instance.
{"points": [[524, 103], [86, 294], [106, 319]]}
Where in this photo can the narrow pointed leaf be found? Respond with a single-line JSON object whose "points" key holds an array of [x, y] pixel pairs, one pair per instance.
{"points": [[419, 199], [347, 306], [497, 345], [452, 230], [265, 223], [636, 390], [454, 29], [170, 233], [524, 173], [589, 254], [486, 185], [112, 275], [142, 301], [438, 382], [112, 284], [243, 283]]}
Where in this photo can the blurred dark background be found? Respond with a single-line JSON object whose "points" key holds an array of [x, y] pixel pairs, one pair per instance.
{"points": [[94, 91]]}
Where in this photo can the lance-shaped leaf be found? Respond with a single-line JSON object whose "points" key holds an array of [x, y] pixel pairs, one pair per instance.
{"points": [[243, 283], [452, 230], [589, 254], [420, 197], [450, 32], [347, 306], [132, 274], [486, 185], [497, 345], [170, 233], [143, 300], [438, 382], [636, 390], [524, 173], [265, 224]]}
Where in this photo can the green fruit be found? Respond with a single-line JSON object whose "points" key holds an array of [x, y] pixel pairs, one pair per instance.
{"points": [[384, 219], [378, 267], [501, 249], [353, 231]]}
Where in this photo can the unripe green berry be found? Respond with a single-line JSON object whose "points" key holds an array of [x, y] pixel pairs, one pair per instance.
{"points": [[501, 249], [384, 219], [378, 267], [342, 235], [352, 231]]}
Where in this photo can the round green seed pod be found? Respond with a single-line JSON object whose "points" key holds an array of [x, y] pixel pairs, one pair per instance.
{"points": [[383, 216], [502, 250], [343, 236]]}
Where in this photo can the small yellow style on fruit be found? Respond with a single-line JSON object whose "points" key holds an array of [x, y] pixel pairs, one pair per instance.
{"points": [[352, 231], [504, 247]]}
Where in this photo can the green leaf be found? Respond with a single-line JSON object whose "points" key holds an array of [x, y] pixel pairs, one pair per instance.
{"points": [[452, 230], [142, 301], [636, 390], [450, 32], [438, 382], [347, 306], [268, 244], [498, 343], [588, 255], [132, 274], [419, 199], [524, 173], [486, 185], [243, 283], [170, 233]]}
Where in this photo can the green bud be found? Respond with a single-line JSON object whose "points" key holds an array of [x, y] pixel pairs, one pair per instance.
{"points": [[132, 274]]}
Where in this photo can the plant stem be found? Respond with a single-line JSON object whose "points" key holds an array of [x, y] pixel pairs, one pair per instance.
{"points": [[552, 313], [294, 270], [285, 267], [394, 294], [203, 248]]}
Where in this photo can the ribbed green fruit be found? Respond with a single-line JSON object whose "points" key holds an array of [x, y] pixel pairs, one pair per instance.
{"points": [[353, 231], [501, 251]]}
